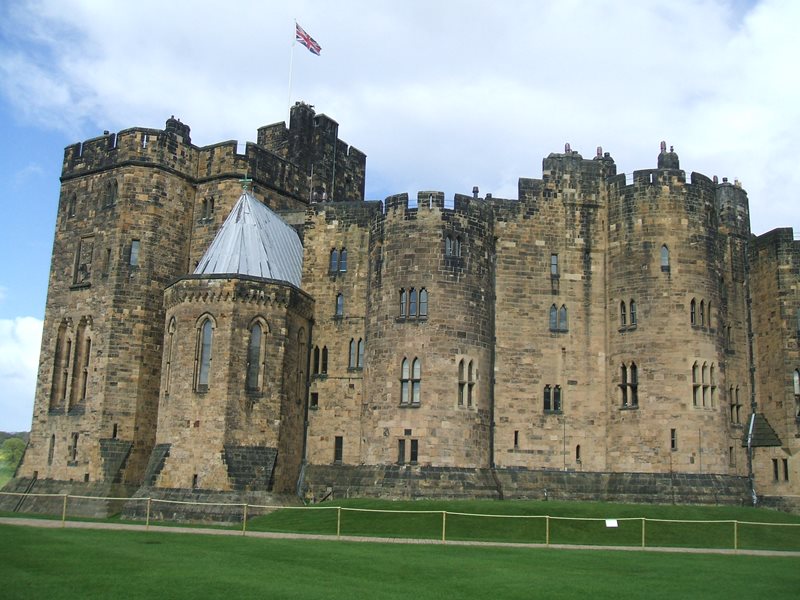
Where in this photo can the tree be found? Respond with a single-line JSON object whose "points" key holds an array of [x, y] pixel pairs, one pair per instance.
{"points": [[11, 451]]}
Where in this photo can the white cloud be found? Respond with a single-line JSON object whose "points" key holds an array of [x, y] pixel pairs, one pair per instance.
{"points": [[20, 339], [439, 95]]}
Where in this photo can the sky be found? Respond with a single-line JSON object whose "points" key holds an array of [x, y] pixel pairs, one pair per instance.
{"points": [[440, 95]]}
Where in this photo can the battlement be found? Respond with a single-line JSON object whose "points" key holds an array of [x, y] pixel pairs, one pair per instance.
{"points": [[306, 160], [170, 148], [436, 201], [571, 162]]}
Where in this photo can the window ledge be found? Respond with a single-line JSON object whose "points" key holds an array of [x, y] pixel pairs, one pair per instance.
{"points": [[319, 376], [80, 286], [355, 369], [629, 407], [409, 405], [411, 319], [553, 412]]}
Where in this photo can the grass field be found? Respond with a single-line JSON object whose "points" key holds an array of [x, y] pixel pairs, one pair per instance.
{"points": [[72, 563], [420, 524]]}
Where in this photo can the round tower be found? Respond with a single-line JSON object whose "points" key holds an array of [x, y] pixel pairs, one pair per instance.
{"points": [[665, 359], [430, 334]]}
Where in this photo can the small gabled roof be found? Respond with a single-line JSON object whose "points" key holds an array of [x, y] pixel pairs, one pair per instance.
{"points": [[255, 241], [764, 435]]}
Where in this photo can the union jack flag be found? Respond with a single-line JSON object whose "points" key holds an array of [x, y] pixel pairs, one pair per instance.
{"points": [[301, 36]]}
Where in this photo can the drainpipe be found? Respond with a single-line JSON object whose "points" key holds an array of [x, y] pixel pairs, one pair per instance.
{"points": [[301, 475], [752, 365]]}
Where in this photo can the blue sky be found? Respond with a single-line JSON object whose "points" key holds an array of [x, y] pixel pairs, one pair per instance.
{"points": [[440, 95]]}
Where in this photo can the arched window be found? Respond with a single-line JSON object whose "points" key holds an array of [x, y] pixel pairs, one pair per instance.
{"points": [[708, 319], [695, 384], [548, 398], [704, 380], [632, 307], [738, 406], [578, 454], [623, 384], [315, 365], [448, 246], [423, 302], [343, 260], [403, 301], [339, 305], [732, 403], [470, 384], [352, 361], [60, 366], [553, 318], [405, 381], [80, 363], [634, 385], [410, 382], [462, 383], [557, 398], [457, 246], [253, 379], [71, 205], [623, 314], [170, 350], [562, 318], [412, 303], [713, 386], [360, 359], [693, 312], [324, 366], [702, 313], [664, 258], [203, 355], [554, 265], [416, 381], [334, 262]]}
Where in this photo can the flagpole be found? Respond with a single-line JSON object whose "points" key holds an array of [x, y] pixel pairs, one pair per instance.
{"points": [[291, 61]]}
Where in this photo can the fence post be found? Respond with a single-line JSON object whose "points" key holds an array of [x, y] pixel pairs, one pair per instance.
{"points": [[244, 519], [64, 512], [643, 530], [736, 535], [147, 517], [338, 521], [547, 530], [444, 526]]}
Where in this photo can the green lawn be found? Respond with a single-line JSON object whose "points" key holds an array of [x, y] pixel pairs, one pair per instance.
{"points": [[72, 563], [420, 524]]}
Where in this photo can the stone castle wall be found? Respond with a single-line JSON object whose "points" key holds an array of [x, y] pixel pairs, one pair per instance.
{"points": [[456, 337]]}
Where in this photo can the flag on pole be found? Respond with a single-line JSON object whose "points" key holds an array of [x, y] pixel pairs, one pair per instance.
{"points": [[307, 41]]}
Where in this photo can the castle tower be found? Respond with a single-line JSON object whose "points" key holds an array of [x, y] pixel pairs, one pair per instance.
{"points": [[551, 330], [233, 382], [428, 367], [122, 233], [666, 361]]}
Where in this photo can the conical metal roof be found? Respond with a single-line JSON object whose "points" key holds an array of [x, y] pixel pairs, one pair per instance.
{"points": [[253, 240]]}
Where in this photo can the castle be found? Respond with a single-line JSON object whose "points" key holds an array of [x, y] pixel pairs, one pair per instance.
{"points": [[245, 323]]}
